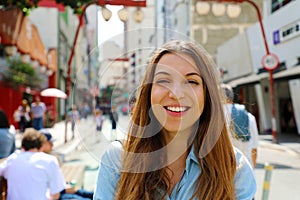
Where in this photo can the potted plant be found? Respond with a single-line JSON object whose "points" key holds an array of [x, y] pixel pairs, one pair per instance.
{"points": [[20, 74]]}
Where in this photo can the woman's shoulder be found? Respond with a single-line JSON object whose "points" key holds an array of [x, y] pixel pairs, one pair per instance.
{"points": [[245, 184], [112, 155], [241, 159]]}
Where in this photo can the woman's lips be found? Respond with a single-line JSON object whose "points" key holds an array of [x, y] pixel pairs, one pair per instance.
{"points": [[176, 111]]}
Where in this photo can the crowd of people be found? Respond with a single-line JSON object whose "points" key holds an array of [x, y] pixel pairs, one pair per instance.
{"points": [[30, 115], [187, 139], [34, 173]]}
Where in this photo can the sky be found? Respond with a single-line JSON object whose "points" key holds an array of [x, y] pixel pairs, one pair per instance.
{"points": [[111, 28]]}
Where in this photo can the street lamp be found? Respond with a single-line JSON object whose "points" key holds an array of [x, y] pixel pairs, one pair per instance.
{"points": [[138, 15], [218, 9], [233, 10], [123, 14], [106, 13], [202, 8], [270, 61]]}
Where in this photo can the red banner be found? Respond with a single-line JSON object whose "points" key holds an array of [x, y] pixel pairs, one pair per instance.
{"points": [[134, 3], [51, 4]]}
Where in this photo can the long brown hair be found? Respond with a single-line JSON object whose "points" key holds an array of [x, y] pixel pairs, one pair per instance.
{"points": [[140, 178]]}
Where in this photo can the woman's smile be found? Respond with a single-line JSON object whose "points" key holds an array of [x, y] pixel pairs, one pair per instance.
{"points": [[176, 111]]}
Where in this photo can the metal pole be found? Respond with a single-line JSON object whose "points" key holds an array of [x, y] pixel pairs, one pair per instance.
{"points": [[271, 83], [267, 180]]}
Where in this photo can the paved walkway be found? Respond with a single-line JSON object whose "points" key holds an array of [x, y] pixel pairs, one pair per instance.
{"points": [[288, 142], [285, 142], [59, 135]]}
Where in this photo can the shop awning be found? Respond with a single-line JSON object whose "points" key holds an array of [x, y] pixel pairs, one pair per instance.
{"points": [[25, 37], [10, 25], [38, 51], [52, 59], [247, 80], [29, 42], [289, 73], [17, 30]]}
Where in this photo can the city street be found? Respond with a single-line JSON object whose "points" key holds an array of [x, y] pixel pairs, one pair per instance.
{"points": [[98, 54], [284, 177]]}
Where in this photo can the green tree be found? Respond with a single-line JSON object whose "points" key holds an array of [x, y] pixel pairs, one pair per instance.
{"points": [[27, 5], [20, 74]]}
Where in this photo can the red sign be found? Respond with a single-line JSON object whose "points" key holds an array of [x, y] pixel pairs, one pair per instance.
{"points": [[51, 4], [134, 3], [270, 61]]}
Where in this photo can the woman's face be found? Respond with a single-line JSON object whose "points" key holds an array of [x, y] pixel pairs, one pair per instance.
{"points": [[177, 95]]}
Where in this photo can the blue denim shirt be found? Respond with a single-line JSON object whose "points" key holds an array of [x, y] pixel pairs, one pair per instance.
{"points": [[109, 174], [7, 142]]}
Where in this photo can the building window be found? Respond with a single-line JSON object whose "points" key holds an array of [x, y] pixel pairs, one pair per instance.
{"points": [[277, 4]]}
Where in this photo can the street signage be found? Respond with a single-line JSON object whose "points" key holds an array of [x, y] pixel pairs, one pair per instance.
{"points": [[270, 61]]}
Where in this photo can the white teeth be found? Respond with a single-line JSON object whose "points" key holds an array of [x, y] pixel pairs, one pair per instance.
{"points": [[176, 109]]}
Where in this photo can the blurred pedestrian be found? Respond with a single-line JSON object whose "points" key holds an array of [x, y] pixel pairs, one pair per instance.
{"points": [[38, 110], [178, 146], [114, 117], [69, 192], [74, 116], [85, 111], [242, 126], [22, 116], [131, 102], [32, 174], [7, 136], [99, 119]]}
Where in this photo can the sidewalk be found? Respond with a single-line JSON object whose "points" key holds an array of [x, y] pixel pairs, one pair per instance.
{"points": [[58, 134], [289, 143], [286, 142]]}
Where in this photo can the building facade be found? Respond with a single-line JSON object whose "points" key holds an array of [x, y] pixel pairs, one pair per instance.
{"points": [[247, 75]]}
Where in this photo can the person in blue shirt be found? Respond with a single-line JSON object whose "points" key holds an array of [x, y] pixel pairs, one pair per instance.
{"points": [[38, 110], [178, 145], [7, 136]]}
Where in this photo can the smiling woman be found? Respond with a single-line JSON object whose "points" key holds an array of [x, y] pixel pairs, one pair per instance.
{"points": [[178, 91], [178, 145]]}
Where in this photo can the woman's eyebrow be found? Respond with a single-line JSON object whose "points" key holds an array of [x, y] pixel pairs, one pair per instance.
{"points": [[192, 74], [161, 72]]}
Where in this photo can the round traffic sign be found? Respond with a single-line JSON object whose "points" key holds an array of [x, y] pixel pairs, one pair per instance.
{"points": [[270, 61]]}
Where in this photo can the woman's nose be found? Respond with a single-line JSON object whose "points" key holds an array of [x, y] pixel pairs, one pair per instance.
{"points": [[176, 91]]}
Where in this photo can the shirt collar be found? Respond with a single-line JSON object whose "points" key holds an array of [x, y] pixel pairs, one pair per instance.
{"points": [[191, 159]]}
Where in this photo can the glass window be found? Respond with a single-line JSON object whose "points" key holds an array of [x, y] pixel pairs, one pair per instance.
{"points": [[277, 4]]}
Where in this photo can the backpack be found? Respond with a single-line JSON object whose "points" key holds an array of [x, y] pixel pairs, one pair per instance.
{"points": [[240, 123]]}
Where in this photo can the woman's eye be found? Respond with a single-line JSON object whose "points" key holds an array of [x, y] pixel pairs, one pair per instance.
{"points": [[193, 82], [162, 81]]}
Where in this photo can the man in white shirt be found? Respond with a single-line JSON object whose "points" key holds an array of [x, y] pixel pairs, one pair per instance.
{"points": [[247, 142], [32, 174]]}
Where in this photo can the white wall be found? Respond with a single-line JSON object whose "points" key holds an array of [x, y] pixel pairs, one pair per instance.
{"points": [[294, 89], [234, 57], [108, 70], [141, 40], [286, 51], [46, 20]]}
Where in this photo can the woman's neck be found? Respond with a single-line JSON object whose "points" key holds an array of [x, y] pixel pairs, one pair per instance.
{"points": [[183, 134]]}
